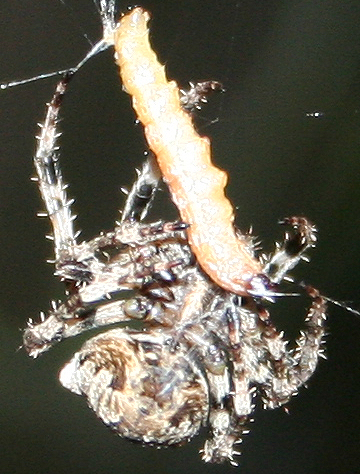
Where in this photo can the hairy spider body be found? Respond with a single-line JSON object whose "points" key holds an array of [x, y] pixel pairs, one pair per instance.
{"points": [[203, 352]]}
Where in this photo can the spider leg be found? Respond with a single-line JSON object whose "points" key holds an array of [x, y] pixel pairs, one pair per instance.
{"points": [[229, 421], [204, 335], [197, 94], [134, 233], [141, 254], [291, 251], [259, 359], [66, 320], [142, 193], [46, 161], [226, 424], [226, 432], [289, 370], [50, 181]]}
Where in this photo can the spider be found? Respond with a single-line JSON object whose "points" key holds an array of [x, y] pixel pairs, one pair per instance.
{"points": [[198, 354]]}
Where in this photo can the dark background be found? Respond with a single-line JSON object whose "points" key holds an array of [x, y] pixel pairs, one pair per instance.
{"points": [[279, 60]]}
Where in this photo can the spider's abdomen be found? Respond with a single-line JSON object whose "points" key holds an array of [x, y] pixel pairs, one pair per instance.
{"points": [[139, 386]]}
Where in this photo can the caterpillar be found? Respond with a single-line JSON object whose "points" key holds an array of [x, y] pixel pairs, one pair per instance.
{"points": [[184, 158]]}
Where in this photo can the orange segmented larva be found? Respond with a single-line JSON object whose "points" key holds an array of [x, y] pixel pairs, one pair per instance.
{"points": [[184, 158]]}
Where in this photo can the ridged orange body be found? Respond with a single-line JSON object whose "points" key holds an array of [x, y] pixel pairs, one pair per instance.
{"points": [[184, 158]]}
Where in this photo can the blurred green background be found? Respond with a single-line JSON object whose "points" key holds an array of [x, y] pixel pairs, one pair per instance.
{"points": [[281, 62]]}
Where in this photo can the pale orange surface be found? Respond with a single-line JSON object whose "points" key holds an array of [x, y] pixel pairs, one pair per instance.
{"points": [[184, 158]]}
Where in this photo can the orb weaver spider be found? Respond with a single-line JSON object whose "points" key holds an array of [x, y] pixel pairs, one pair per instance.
{"points": [[204, 351]]}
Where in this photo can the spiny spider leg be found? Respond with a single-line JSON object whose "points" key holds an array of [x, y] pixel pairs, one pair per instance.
{"points": [[142, 193], [65, 321], [82, 266], [229, 420], [142, 252], [291, 251], [140, 265], [291, 369], [258, 353], [88, 285], [197, 94], [51, 185], [261, 362]]}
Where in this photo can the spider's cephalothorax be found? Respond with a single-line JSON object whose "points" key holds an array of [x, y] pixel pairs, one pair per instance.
{"points": [[202, 353]]}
